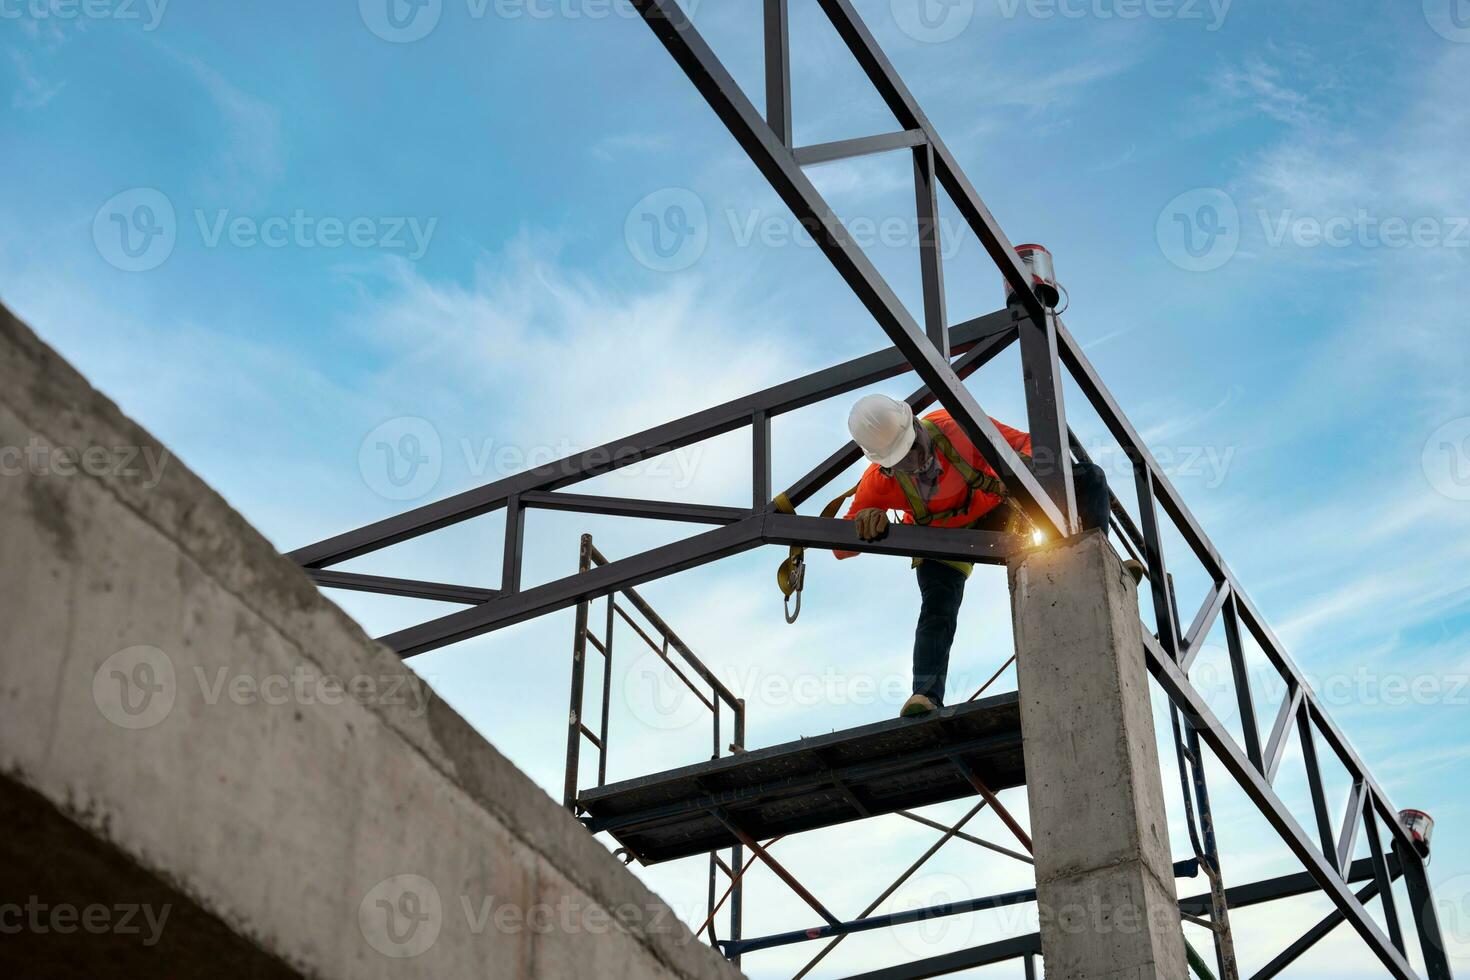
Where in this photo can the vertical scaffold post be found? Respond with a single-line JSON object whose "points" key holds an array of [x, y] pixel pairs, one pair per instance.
{"points": [[579, 670]]}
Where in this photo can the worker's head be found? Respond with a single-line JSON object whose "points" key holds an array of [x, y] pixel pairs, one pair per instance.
{"points": [[885, 430]]}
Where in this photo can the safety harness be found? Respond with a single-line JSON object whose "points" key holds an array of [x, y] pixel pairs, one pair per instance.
{"points": [[974, 480], [791, 575]]}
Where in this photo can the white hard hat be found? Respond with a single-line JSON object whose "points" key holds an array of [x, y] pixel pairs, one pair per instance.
{"points": [[883, 427]]}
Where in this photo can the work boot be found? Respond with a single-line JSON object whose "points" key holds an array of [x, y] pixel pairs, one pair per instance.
{"points": [[1134, 570], [917, 706]]}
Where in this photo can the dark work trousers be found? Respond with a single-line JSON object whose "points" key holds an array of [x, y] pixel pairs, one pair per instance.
{"points": [[942, 589]]}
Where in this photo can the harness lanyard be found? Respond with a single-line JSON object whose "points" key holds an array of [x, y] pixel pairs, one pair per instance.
{"points": [[791, 575]]}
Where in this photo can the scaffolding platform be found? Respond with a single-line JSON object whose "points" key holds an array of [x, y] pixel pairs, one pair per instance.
{"points": [[814, 782]]}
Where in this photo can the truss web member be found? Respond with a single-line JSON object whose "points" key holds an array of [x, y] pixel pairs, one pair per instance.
{"points": [[930, 471]]}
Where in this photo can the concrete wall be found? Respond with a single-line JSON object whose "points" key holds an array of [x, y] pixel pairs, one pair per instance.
{"points": [[185, 789]]}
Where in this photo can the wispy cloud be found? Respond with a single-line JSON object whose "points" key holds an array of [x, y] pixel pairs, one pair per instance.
{"points": [[1265, 89], [1054, 89], [253, 154], [620, 145], [34, 92], [532, 347]]}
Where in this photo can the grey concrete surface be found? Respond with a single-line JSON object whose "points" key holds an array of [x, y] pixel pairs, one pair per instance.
{"points": [[1105, 884], [189, 730]]}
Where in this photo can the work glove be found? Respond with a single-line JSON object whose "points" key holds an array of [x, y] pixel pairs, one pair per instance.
{"points": [[872, 523]]}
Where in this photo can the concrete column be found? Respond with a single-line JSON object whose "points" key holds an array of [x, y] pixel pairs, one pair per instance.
{"points": [[1104, 874]]}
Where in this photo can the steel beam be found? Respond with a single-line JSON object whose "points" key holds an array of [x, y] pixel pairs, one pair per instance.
{"points": [[965, 959], [1281, 732], [407, 588], [1244, 698], [809, 156], [1325, 835], [790, 396], [701, 549], [972, 360], [1275, 889], [1194, 636], [1176, 684], [903, 540], [778, 69], [1352, 823], [751, 531], [657, 510], [883, 921], [1172, 503], [1426, 913], [905, 107], [931, 254], [690, 51], [1311, 938], [1383, 873]]}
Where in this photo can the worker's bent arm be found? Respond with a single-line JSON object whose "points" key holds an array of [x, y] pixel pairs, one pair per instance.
{"points": [[1015, 438], [874, 490]]}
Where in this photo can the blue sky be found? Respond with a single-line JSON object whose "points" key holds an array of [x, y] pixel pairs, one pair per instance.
{"points": [[338, 237]]}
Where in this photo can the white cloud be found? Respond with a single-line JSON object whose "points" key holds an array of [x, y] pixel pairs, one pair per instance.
{"points": [[251, 151], [1264, 88], [34, 91], [620, 145], [544, 350], [1404, 336]]}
